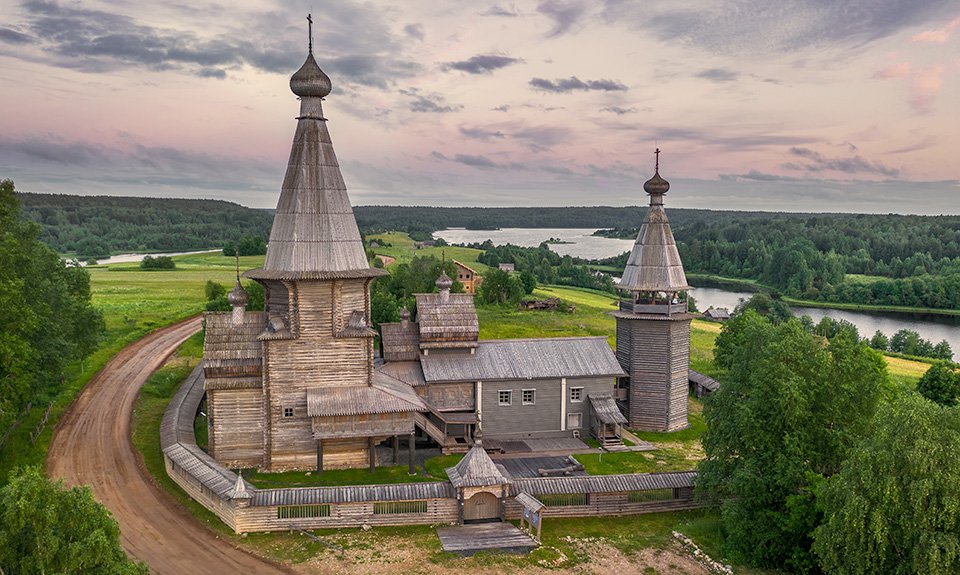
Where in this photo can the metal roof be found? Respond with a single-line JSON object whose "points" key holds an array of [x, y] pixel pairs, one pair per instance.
{"points": [[353, 493], [546, 358], [606, 408], [603, 483]]}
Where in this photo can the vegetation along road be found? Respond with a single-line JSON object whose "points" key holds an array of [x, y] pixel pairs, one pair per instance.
{"points": [[91, 446]]}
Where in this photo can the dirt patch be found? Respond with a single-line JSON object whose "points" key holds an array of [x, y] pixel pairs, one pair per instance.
{"points": [[362, 556]]}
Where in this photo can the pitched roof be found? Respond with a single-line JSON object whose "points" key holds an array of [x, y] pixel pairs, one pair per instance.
{"points": [[654, 263], [228, 345], [546, 358], [476, 469], [401, 341], [356, 400], [464, 266], [353, 493], [452, 321], [606, 408], [702, 380], [408, 372], [314, 230]]}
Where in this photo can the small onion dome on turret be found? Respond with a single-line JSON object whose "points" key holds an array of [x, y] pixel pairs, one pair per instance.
{"points": [[238, 296], [310, 81], [444, 282]]}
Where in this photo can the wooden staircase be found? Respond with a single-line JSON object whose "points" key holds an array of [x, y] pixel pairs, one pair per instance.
{"points": [[447, 444]]}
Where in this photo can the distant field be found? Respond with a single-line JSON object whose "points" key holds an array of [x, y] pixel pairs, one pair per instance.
{"points": [[402, 249]]}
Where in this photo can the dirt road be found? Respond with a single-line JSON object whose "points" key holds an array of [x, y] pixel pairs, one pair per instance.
{"points": [[91, 446]]}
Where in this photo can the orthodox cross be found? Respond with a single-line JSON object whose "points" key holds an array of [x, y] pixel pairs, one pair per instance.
{"points": [[657, 166], [310, 31], [236, 253]]}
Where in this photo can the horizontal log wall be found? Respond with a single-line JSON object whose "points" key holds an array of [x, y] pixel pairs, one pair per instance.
{"points": [[257, 519], [236, 426], [201, 494]]}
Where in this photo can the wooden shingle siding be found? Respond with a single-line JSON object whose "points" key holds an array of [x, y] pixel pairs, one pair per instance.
{"points": [[657, 357], [236, 437]]}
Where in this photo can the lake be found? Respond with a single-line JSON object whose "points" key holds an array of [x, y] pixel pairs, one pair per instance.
{"points": [[930, 327], [582, 243], [132, 258]]}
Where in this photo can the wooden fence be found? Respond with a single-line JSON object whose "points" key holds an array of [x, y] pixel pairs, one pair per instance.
{"points": [[245, 508]]}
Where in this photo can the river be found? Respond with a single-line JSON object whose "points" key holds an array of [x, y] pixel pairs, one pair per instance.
{"points": [[132, 258], [931, 327]]}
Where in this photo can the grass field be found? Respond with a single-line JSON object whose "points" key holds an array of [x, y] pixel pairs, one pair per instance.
{"points": [[401, 248]]}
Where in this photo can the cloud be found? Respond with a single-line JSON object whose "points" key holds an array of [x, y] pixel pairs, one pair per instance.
{"points": [[501, 108], [475, 161], [895, 70], [541, 137], [817, 162], [481, 133], [12, 36], [563, 14], [618, 110], [414, 31], [431, 103], [756, 176], [212, 73], [938, 35], [482, 64], [759, 26], [924, 88], [571, 84], [718, 75], [497, 10], [370, 70]]}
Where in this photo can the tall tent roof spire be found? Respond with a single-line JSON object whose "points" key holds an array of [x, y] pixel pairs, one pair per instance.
{"points": [[314, 234], [654, 263]]}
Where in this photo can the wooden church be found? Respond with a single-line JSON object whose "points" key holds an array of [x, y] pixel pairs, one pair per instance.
{"points": [[298, 385]]}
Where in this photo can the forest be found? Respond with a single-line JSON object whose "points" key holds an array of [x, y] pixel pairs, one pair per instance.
{"points": [[98, 226]]}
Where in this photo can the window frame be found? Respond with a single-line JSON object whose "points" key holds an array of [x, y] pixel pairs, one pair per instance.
{"points": [[500, 396], [579, 417], [533, 396], [287, 412], [579, 399]]}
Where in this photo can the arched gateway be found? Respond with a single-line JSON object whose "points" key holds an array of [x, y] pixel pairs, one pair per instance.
{"points": [[481, 485]]}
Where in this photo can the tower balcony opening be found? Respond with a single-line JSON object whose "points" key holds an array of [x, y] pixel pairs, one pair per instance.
{"points": [[655, 302]]}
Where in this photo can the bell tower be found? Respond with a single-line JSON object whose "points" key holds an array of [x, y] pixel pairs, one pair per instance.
{"points": [[653, 325]]}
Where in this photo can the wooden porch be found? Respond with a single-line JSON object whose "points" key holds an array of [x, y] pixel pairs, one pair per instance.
{"points": [[465, 540]]}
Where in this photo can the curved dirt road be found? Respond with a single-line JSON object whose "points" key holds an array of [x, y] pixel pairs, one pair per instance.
{"points": [[92, 446]]}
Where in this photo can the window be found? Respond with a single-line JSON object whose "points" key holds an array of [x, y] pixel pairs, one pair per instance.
{"points": [[288, 412], [302, 511], [574, 420], [576, 394], [504, 397], [529, 396], [398, 507]]}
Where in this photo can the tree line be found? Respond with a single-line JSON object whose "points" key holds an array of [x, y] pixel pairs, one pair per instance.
{"points": [[45, 313], [96, 226], [545, 265]]}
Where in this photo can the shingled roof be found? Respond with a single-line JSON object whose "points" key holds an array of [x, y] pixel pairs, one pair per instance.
{"points": [[232, 354], [476, 469], [314, 234], [452, 322], [546, 358], [654, 263]]}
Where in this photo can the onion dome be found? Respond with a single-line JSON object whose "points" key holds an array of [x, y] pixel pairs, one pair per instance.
{"points": [[444, 282], [656, 185], [238, 296], [310, 81], [404, 314]]}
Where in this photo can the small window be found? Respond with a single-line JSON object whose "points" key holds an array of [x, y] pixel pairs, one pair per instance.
{"points": [[574, 420], [529, 396], [576, 394], [505, 397], [288, 412]]}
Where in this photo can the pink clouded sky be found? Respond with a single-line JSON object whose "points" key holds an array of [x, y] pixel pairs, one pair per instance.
{"points": [[800, 106]]}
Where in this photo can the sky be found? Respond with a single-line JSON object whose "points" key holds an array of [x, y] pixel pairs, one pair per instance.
{"points": [[793, 105]]}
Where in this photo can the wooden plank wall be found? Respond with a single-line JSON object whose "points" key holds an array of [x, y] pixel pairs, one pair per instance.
{"points": [[605, 504], [202, 495], [257, 519], [656, 354]]}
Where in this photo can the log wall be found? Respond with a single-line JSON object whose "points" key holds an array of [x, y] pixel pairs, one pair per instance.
{"points": [[266, 518], [316, 358], [236, 426], [656, 355]]}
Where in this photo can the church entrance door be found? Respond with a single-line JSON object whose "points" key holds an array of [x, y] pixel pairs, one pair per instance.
{"points": [[481, 508]]}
